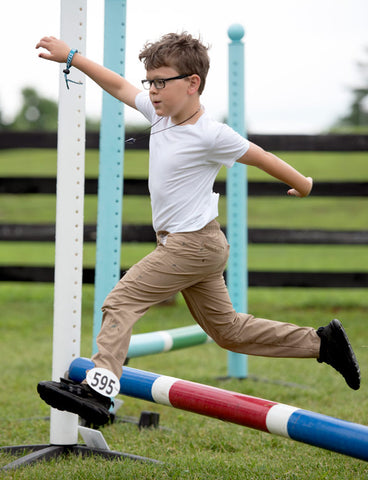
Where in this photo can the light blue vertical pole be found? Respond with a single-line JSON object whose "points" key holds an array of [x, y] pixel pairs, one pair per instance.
{"points": [[110, 180], [236, 193]]}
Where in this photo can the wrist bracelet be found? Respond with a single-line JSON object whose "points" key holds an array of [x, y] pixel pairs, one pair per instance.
{"points": [[70, 57], [66, 71]]}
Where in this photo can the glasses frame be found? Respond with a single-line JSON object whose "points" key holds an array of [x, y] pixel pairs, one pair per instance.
{"points": [[147, 84]]}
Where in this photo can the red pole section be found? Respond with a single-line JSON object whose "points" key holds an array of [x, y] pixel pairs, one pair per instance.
{"points": [[222, 404]]}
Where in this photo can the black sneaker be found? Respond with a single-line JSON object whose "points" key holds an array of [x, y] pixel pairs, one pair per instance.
{"points": [[337, 352], [76, 398]]}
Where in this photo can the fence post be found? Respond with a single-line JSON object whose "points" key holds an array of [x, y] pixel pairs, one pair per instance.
{"points": [[110, 179], [69, 218], [236, 193]]}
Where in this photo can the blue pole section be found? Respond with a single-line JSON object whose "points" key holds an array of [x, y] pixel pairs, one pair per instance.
{"points": [[110, 180], [236, 193]]}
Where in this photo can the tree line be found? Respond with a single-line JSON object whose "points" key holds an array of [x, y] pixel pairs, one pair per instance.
{"points": [[38, 113]]}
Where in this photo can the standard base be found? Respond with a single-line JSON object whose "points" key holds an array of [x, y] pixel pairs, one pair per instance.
{"points": [[47, 452]]}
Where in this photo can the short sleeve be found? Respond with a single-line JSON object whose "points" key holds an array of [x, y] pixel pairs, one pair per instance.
{"points": [[144, 105], [228, 146]]}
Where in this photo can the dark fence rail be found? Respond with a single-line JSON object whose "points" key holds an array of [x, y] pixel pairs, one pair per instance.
{"points": [[14, 232], [134, 186], [145, 233], [255, 279], [329, 142]]}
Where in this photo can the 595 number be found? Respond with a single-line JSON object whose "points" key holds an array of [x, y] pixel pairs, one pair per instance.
{"points": [[103, 381]]}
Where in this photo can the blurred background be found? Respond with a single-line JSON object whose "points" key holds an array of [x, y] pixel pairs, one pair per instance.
{"points": [[306, 61]]}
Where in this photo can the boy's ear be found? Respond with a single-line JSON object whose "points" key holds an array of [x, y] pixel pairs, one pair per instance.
{"points": [[194, 84]]}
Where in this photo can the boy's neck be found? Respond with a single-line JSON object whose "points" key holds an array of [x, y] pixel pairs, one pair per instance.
{"points": [[188, 116]]}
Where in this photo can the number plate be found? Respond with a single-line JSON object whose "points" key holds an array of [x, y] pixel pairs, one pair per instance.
{"points": [[103, 381]]}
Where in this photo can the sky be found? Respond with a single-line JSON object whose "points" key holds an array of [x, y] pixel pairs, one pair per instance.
{"points": [[300, 55]]}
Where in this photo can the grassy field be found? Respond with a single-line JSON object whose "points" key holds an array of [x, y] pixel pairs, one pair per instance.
{"points": [[192, 446]]}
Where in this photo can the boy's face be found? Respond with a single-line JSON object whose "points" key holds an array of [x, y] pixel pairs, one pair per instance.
{"points": [[174, 97]]}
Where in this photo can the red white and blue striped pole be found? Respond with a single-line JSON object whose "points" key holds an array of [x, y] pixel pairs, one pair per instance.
{"points": [[297, 424]]}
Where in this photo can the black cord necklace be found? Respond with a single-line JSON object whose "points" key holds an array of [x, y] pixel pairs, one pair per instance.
{"points": [[133, 140]]}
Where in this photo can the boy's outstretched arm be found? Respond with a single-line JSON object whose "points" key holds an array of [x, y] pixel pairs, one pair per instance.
{"points": [[111, 82], [271, 164]]}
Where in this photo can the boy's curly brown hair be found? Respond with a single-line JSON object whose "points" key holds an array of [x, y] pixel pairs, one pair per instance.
{"points": [[182, 52]]}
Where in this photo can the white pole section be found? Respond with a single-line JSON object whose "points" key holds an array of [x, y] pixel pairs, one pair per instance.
{"points": [[69, 217]]}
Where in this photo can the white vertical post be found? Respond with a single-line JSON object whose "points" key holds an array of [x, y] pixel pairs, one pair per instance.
{"points": [[69, 217]]}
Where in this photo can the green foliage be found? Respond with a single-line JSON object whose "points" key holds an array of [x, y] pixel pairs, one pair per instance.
{"points": [[356, 119], [38, 113]]}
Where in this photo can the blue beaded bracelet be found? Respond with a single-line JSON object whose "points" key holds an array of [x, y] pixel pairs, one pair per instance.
{"points": [[66, 71]]}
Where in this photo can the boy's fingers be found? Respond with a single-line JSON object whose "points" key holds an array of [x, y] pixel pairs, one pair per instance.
{"points": [[294, 192], [56, 49], [45, 56], [45, 42]]}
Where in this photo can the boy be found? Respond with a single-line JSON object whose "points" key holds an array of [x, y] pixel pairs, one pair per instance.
{"points": [[187, 149]]}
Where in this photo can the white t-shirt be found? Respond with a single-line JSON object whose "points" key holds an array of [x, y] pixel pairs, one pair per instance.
{"points": [[184, 161]]}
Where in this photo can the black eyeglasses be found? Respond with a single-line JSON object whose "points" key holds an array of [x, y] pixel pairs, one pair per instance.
{"points": [[161, 82]]}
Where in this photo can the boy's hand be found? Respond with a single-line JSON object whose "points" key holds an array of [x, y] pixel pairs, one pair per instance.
{"points": [[305, 193], [58, 50]]}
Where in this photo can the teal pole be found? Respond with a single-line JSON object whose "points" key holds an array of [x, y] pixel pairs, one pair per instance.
{"points": [[110, 179], [236, 194]]}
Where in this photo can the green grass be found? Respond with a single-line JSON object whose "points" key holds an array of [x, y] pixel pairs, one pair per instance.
{"points": [[322, 165], [327, 213], [333, 258], [192, 446]]}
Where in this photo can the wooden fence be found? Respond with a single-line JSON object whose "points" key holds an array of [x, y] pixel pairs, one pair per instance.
{"points": [[145, 233]]}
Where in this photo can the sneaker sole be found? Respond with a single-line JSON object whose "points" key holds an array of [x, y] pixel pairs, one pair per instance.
{"points": [[348, 353], [63, 400]]}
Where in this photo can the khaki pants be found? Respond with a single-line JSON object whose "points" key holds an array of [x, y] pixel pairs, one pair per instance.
{"points": [[193, 263]]}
